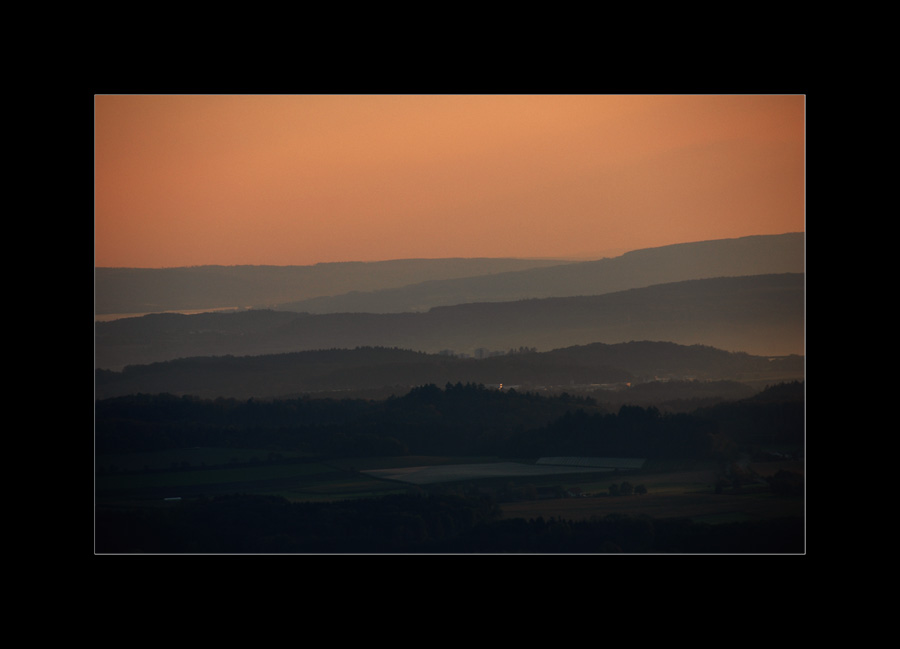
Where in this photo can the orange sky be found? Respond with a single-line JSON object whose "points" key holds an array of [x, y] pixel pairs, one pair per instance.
{"points": [[185, 180]]}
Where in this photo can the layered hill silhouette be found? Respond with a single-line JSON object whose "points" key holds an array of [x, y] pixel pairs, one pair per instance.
{"points": [[154, 290], [760, 314], [755, 255], [702, 371], [420, 284]]}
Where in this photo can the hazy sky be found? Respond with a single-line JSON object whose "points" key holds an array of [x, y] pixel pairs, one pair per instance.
{"points": [[184, 180]]}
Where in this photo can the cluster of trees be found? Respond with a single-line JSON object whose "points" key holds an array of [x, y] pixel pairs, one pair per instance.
{"points": [[631, 432], [415, 523], [775, 416], [460, 419], [457, 420]]}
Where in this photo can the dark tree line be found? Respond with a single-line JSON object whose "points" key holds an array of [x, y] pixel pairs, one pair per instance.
{"points": [[416, 523], [458, 419], [632, 432], [370, 368]]}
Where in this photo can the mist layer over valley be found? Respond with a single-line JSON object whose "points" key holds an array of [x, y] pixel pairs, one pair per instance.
{"points": [[738, 295], [652, 402], [762, 315]]}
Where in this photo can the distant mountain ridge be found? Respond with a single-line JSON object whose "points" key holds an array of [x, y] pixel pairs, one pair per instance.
{"points": [[762, 314], [754, 255], [419, 284], [155, 290]]}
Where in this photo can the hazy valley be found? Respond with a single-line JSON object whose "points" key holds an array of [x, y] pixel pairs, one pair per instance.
{"points": [[420, 284], [739, 295], [689, 359]]}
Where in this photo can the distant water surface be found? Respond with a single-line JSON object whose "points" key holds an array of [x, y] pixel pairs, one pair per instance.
{"points": [[108, 317]]}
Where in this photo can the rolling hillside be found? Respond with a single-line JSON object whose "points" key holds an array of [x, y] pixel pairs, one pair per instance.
{"points": [[343, 371], [761, 315]]}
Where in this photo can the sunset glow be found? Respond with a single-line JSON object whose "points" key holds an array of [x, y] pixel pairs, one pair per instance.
{"points": [[186, 180]]}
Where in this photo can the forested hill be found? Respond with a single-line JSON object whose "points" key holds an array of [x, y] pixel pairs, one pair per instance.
{"points": [[761, 315], [396, 370], [456, 420]]}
